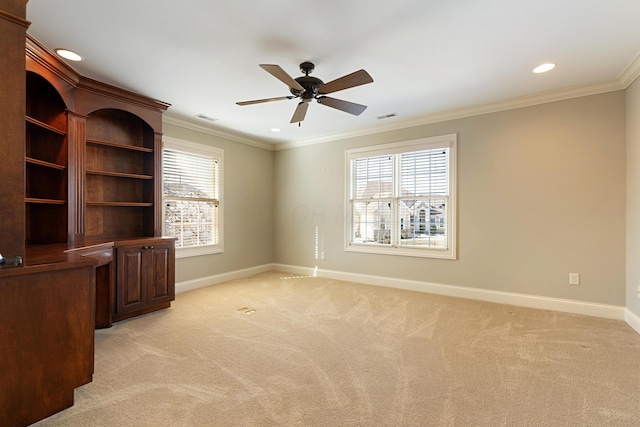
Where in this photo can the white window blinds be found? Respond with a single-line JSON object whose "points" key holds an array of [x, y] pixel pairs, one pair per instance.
{"points": [[373, 177], [424, 173], [191, 197], [424, 191]]}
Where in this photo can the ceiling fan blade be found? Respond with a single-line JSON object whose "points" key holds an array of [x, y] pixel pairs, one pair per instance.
{"points": [[280, 74], [354, 79], [259, 101], [300, 112], [339, 104]]}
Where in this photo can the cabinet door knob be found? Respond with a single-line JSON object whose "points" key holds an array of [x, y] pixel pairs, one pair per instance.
{"points": [[148, 247]]}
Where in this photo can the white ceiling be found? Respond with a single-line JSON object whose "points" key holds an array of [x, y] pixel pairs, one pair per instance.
{"points": [[428, 58]]}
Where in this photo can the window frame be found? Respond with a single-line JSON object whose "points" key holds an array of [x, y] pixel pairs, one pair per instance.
{"points": [[396, 148], [204, 150]]}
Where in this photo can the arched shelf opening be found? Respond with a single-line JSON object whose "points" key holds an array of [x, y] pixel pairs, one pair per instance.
{"points": [[46, 163], [120, 172]]}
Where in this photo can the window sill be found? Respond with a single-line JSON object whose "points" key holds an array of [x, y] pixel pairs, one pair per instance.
{"points": [[198, 251], [402, 251]]}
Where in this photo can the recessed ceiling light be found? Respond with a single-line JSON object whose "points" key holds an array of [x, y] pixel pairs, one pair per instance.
{"points": [[544, 68], [68, 54], [275, 130]]}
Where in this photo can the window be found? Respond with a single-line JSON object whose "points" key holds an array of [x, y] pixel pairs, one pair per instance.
{"points": [[192, 196], [401, 198]]}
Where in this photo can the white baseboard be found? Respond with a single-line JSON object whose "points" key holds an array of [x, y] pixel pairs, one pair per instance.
{"points": [[220, 278], [632, 320], [524, 300]]}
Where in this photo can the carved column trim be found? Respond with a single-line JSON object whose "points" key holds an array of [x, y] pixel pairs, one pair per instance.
{"points": [[76, 172]]}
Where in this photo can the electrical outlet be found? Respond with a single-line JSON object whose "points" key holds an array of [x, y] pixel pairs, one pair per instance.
{"points": [[574, 279], [321, 255]]}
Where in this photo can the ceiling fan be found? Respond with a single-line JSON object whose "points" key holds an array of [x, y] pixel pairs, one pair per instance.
{"points": [[308, 88]]}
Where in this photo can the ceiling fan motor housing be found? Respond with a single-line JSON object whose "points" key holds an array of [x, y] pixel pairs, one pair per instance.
{"points": [[310, 85]]}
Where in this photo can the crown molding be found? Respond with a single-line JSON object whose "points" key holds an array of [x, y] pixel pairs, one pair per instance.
{"points": [[509, 104], [41, 55], [175, 120], [627, 77], [631, 73], [15, 19]]}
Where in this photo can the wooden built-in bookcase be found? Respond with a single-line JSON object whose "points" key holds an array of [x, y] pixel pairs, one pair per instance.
{"points": [[46, 160], [120, 175], [93, 180], [92, 157]]}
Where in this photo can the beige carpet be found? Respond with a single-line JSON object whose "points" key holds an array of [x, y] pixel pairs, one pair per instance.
{"points": [[320, 352]]}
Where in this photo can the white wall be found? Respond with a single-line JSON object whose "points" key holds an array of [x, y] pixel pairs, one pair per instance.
{"points": [[248, 208], [541, 193], [633, 199]]}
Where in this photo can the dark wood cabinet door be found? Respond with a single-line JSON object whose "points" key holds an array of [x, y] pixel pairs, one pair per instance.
{"points": [[162, 285], [131, 291], [145, 274]]}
